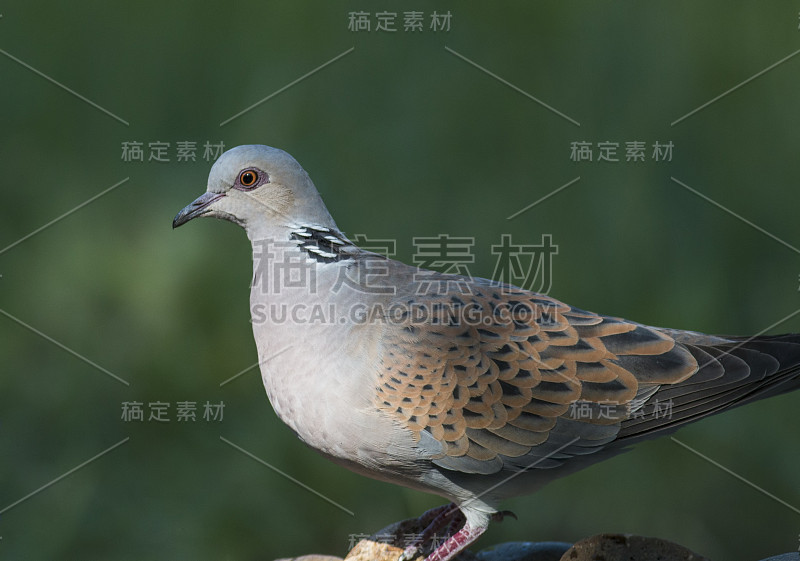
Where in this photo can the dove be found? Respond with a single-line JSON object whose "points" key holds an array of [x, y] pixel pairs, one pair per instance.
{"points": [[464, 387]]}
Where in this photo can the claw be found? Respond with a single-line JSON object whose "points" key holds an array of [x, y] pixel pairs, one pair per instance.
{"points": [[499, 516]]}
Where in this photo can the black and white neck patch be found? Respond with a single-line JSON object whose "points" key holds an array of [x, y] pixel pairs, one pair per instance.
{"points": [[322, 244]]}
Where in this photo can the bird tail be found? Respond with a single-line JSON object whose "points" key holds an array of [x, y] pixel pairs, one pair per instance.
{"points": [[732, 371]]}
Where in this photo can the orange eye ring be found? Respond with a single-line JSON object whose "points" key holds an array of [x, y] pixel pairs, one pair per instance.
{"points": [[248, 178]]}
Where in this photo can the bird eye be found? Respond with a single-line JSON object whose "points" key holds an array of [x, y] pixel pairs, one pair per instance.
{"points": [[248, 178]]}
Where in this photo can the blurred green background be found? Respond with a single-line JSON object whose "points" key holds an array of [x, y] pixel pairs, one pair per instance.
{"points": [[403, 139]]}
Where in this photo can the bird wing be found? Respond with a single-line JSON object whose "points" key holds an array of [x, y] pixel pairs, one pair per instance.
{"points": [[488, 376]]}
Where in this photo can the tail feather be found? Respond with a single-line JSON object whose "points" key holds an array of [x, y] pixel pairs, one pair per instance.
{"points": [[732, 371]]}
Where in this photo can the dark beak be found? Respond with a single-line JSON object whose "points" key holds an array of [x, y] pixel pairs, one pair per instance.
{"points": [[196, 208]]}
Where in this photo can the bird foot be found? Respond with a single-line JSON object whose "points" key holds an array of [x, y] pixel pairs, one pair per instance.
{"points": [[500, 516], [456, 543], [433, 521], [458, 533]]}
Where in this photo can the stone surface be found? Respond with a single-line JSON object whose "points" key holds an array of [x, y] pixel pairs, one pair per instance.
{"points": [[388, 544], [626, 547], [524, 551]]}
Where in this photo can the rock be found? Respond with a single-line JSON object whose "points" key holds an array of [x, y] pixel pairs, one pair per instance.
{"points": [[624, 547], [524, 551], [388, 544]]}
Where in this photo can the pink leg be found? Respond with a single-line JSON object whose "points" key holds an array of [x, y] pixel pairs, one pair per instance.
{"points": [[457, 542]]}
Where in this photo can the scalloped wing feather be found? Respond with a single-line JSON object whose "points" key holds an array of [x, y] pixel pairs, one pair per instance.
{"points": [[503, 377]]}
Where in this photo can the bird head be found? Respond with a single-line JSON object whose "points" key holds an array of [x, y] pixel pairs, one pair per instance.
{"points": [[259, 188]]}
